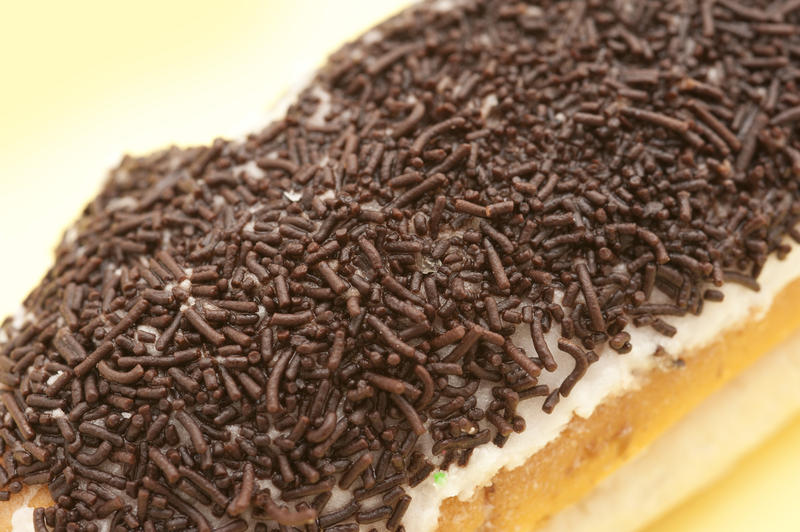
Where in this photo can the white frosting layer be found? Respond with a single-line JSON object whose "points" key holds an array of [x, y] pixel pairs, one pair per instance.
{"points": [[609, 376]]}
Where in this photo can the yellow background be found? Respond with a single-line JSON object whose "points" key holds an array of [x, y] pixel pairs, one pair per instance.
{"points": [[83, 82]]}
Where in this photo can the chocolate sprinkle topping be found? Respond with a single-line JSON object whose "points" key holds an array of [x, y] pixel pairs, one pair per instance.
{"points": [[230, 332]]}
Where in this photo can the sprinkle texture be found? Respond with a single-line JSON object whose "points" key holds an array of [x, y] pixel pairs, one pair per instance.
{"points": [[288, 331]]}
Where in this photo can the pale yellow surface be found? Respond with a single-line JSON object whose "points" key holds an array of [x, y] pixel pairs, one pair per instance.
{"points": [[760, 494], [83, 82]]}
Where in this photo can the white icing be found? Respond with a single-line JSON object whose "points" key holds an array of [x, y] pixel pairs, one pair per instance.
{"points": [[124, 203], [22, 519], [323, 108], [218, 201], [610, 375], [250, 169], [534, 11], [20, 318], [148, 329], [715, 75], [292, 196], [372, 36], [446, 5], [70, 235], [489, 103]]}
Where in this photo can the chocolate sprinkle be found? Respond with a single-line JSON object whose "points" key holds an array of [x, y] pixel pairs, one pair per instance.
{"points": [[232, 332]]}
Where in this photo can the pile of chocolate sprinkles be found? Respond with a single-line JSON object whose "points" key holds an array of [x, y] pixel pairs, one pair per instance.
{"points": [[257, 334]]}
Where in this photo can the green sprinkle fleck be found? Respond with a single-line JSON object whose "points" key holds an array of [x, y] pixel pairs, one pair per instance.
{"points": [[439, 478]]}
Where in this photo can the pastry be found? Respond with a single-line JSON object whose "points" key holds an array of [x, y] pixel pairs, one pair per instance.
{"points": [[492, 252]]}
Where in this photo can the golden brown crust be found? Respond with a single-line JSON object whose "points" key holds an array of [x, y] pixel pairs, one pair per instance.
{"points": [[590, 449]]}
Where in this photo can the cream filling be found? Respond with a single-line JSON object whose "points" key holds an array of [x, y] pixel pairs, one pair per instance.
{"points": [[612, 374]]}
